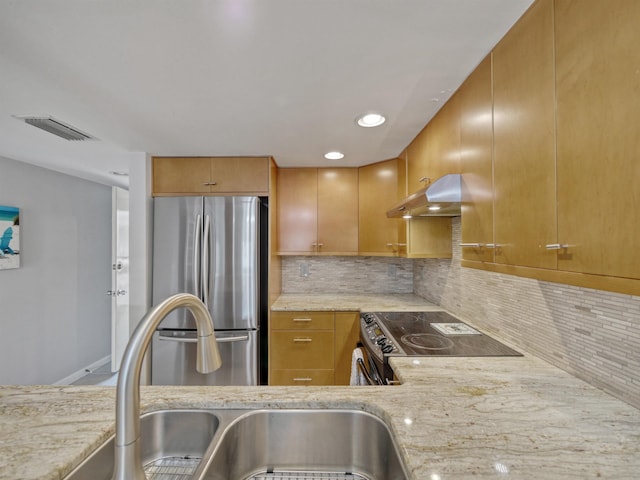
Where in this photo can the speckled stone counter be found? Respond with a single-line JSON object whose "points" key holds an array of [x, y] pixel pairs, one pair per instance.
{"points": [[453, 418], [372, 303]]}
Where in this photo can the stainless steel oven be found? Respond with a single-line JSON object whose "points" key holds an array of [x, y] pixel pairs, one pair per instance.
{"points": [[425, 334]]}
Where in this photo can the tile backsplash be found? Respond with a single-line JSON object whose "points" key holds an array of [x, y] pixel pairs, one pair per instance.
{"points": [[346, 275], [592, 334]]}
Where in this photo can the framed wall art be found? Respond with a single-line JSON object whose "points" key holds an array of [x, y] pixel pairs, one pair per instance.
{"points": [[9, 237]]}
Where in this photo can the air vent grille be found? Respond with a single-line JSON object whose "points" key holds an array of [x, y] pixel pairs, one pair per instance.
{"points": [[61, 129]]}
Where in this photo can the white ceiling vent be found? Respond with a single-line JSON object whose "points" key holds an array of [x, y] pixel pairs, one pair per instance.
{"points": [[61, 129]]}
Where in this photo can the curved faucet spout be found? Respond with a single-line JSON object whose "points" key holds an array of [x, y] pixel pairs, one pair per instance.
{"points": [[128, 461]]}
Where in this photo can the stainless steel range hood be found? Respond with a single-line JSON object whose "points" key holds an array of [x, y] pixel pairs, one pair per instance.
{"points": [[440, 199]]}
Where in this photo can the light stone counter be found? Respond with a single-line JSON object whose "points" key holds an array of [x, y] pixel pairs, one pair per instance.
{"points": [[407, 302], [454, 418]]}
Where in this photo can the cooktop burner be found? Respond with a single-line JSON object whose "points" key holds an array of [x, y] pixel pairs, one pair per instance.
{"points": [[428, 334]]}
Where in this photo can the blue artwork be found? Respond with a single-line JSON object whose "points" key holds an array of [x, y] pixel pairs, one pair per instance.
{"points": [[9, 237]]}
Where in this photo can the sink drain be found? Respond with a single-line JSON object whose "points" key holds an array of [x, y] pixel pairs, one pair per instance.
{"points": [[172, 468], [285, 475]]}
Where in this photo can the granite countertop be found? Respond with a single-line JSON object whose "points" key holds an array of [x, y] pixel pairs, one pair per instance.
{"points": [[453, 418], [407, 302]]}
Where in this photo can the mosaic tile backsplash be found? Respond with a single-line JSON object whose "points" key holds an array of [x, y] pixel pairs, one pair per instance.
{"points": [[592, 334], [346, 275]]}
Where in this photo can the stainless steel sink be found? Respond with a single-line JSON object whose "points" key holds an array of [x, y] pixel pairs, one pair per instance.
{"points": [[278, 444], [172, 440], [227, 444]]}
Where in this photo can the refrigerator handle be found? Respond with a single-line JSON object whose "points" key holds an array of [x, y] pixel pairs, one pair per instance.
{"points": [[240, 338], [196, 256], [206, 249]]}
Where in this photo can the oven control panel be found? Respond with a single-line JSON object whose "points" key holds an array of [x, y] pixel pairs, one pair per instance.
{"points": [[377, 337]]}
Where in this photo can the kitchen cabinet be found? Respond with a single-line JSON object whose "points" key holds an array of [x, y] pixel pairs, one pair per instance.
{"points": [[378, 191], [476, 150], [211, 175], [312, 348], [524, 141], [598, 113], [436, 149], [428, 237], [317, 211]]}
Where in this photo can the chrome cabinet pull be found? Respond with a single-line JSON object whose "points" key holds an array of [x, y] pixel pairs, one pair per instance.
{"points": [[471, 245], [303, 320], [303, 379], [556, 246], [302, 340], [209, 184]]}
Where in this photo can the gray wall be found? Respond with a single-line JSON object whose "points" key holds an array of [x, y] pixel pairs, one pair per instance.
{"points": [[54, 313], [592, 334]]}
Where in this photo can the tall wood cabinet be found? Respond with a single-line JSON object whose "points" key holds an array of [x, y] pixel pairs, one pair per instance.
{"points": [[524, 141], [598, 90], [317, 211], [476, 149]]}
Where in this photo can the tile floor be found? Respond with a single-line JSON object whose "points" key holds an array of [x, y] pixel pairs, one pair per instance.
{"points": [[100, 376]]}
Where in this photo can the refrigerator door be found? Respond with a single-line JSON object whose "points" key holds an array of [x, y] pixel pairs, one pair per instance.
{"points": [[174, 359], [177, 239], [230, 261]]}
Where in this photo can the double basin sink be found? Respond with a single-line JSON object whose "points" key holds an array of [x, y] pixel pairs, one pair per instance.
{"points": [[226, 444]]}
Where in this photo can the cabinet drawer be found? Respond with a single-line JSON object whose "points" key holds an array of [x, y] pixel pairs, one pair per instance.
{"points": [[301, 377], [301, 320], [304, 349]]}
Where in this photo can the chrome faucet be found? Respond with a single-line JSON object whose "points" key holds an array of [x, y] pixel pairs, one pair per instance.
{"points": [[128, 459]]}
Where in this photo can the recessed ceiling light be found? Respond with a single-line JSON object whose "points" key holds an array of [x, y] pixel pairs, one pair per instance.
{"points": [[370, 120], [334, 155]]}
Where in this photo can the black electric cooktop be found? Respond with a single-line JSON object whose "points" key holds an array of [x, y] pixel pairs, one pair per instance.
{"points": [[439, 334]]}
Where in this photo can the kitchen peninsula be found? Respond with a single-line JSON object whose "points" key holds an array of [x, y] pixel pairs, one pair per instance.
{"points": [[453, 418]]}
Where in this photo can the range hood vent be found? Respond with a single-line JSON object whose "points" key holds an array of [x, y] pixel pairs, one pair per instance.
{"points": [[440, 199], [57, 127]]}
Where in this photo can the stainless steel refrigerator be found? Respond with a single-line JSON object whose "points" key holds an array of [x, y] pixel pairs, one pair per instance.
{"points": [[215, 248]]}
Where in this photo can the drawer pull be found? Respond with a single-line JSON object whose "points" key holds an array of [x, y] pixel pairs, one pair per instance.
{"points": [[209, 184], [302, 340], [303, 379], [303, 320]]}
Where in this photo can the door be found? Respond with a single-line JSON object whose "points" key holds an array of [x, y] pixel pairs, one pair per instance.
{"points": [[230, 261], [177, 222], [120, 275], [174, 358]]}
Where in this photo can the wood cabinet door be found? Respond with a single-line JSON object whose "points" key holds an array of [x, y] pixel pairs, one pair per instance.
{"points": [[302, 377], [297, 211], [378, 191], [598, 91], [347, 336], [524, 141], [181, 175], [443, 140], [338, 211], [417, 164], [310, 349], [241, 175], [476, 150]]}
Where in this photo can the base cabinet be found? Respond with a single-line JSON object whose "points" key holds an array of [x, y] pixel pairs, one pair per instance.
{"points": [[311, 348]]}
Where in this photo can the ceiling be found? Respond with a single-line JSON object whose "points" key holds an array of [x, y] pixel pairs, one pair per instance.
{"points": [[285, 78]]}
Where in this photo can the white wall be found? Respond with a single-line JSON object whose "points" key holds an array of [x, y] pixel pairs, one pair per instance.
{"points": [[54, 311]]}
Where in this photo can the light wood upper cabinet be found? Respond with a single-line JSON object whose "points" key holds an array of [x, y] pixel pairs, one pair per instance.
{"points": [[476, 150], [211, 175], [428, 237], [378, 191], [318, 211], [417, 163], [297, 210], [524, 141], [598, 92]]}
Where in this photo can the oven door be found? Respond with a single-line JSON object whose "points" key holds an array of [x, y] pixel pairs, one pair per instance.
{"points": [[368, 368]]}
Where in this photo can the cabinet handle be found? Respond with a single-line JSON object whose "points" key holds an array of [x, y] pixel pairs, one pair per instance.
{"points": [[471, 245], [302, 340], [303, 379], [556, 246], [424, 179], [397, 244], [207, 184], [303, 320]]}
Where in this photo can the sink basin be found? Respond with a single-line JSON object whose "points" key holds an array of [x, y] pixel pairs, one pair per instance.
{"points": [[175, 439], [270, 444]]}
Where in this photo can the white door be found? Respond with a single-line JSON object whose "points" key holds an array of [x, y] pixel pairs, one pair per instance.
{"points": [[120, 275]]}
